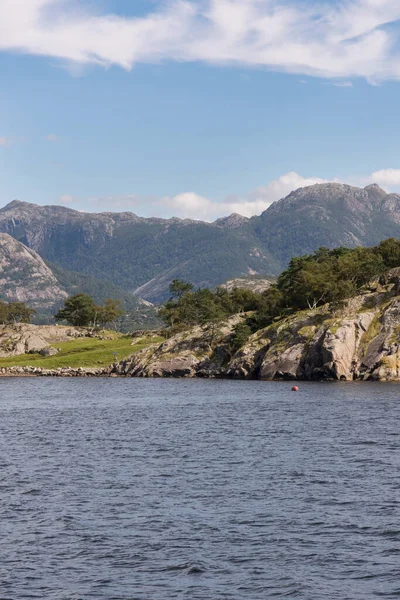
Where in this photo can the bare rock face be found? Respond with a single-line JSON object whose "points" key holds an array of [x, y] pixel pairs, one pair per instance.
{"points": [[283, 366], [338, 349], [25, 277], [232, 222], [257, 285]]}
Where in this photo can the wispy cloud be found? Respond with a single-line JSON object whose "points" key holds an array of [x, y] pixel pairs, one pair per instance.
{"points": [[5, 141], [52, 137], [338, 40], [343, 84]]}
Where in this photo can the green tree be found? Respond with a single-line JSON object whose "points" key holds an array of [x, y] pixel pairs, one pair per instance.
{"points": [[212, 318], [389, 250], [179, 288], [79, 310], [18, 312], [3, 312], [109, 313], [15, 312], [240, 334]]}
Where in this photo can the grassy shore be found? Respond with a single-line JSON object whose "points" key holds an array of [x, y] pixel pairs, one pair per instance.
{"points": [[83, 352]]}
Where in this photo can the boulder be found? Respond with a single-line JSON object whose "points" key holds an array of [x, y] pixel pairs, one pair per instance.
{"points": [[48, 351]]}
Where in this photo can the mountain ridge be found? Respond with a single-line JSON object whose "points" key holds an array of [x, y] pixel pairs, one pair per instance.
{"points": [[142, 255]]}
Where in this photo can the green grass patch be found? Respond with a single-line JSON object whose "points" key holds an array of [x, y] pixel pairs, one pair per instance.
{"points": [[83, 352]]}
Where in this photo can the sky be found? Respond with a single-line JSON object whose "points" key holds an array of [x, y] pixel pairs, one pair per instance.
{"points": [[195, 108]]}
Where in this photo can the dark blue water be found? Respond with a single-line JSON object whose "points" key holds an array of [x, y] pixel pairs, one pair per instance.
{"points": [[159, 490]]}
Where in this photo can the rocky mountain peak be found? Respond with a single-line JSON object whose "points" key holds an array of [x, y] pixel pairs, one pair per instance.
{"points": [[234, 220], [15, 204], [374, 187]]}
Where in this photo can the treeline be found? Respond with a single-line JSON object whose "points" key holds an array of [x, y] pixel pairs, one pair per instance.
{"points": [[326, 276]]}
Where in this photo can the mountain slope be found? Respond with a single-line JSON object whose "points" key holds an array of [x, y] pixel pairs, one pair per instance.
{"points": [[139, 313], [25, 277], [327, 215], [143, 255], [131, 251]]}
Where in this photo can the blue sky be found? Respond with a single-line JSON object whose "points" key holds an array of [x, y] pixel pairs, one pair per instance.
{"points": [[195, 108]]}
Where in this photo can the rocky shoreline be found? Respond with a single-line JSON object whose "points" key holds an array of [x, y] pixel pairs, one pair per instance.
{"points": [[358, 342], [62, 372]]}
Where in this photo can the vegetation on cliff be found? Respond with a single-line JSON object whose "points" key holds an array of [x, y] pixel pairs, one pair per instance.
{"points": [[323, 277]]}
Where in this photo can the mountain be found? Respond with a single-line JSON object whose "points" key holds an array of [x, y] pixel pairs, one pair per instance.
{"points": [[143, 255], [329, 215], [25, 277], [140, 255]]}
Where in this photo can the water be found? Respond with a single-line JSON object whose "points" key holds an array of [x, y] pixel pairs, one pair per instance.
{"points": [[180, 489]]}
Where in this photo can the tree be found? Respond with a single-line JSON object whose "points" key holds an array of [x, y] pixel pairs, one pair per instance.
{"points": [[240, 334], [79, 310], [179, 288], [3, 312], [390, 252], [18, 312], [109, 313], [15, 312]]}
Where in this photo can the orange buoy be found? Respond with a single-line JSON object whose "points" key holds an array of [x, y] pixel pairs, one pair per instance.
{"points": [[295, 388]]}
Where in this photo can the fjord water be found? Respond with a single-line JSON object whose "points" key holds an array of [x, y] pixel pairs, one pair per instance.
{"points": [[191, 489]]}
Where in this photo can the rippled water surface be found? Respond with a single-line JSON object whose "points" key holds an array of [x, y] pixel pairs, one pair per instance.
{"points": [[163, 489]]}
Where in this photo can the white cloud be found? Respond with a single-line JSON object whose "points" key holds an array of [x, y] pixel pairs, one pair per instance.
{"points": [[5, 141], [348, 38], [189, 205], [343, 84], [67, 200], [52, 137], [194, 206], [282, 187], [388, 177]]}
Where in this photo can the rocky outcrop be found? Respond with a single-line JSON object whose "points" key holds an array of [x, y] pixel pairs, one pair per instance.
{"points": [[361, 342], [199, 352], [254, 284], [23, 338]]}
